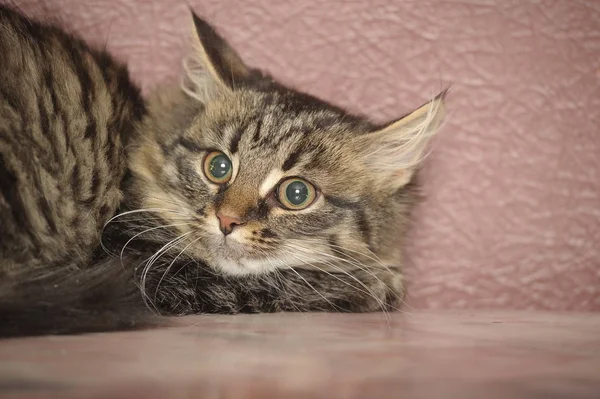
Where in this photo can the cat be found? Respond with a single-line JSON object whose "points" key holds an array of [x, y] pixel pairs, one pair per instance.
{"points": [[229, 193]]}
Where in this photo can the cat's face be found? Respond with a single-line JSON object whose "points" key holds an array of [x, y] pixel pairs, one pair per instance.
{"points": [[251, 176]]}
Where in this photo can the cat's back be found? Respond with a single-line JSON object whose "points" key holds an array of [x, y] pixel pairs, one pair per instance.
{"points": [[66, 111]]}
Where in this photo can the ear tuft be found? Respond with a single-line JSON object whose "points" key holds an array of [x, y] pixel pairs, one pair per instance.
{"points": [[213, 66], [395, 151]]}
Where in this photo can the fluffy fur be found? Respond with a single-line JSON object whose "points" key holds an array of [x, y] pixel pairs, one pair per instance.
{"points": [[80, 152], [66, 114]]}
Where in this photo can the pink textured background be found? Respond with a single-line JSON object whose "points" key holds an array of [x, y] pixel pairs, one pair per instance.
{"points": [[512, 218]]}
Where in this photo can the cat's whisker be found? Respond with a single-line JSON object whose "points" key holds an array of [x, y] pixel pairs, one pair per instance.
{"points": [[172, 201], [115, 219], [183, 267], [371, 255], [313, 263], [375, 258], [380, 262], [150, 218], [334, 307], [357, 264], [139, 211], [283, 290], [353, 262], [286, 288], [368, 292], [135, 228], [277, 274], [150, 262], [146, 231], [172, 263]]}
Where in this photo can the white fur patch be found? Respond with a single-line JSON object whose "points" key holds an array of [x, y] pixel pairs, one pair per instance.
{"points": [[271, 181], [235, 160], [243, 267]]}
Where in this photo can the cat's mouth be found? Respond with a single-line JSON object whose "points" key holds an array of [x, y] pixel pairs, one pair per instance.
{"points": [[234, 254], [234, 246]]}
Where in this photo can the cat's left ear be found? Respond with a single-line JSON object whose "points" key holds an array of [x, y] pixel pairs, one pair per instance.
{"points": [[213, 66], [394, 152]]}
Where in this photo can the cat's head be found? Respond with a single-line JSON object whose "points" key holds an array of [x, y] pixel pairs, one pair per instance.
{"points": [[252, 176]]}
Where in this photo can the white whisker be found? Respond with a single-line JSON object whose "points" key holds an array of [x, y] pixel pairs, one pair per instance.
{"points": [[372, 255], [151, 262], [138, 211], [314, 289], [172, 263], [331, 264], [354, 263], [146, 231], [277, 274]]}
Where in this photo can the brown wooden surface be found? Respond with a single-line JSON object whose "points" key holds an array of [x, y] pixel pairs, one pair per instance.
{"points": [[416, 355]]}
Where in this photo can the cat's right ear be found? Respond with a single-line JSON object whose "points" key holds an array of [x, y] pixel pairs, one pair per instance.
{"points": [[213, 66]]}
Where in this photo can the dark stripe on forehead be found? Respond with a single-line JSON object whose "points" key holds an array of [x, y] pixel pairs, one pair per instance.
{"points": [[292, 159], [189, 145], [235, 140], [256, 136]]}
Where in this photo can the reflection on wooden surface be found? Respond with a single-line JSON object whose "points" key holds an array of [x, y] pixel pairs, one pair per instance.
{"points": [[417, 355]]}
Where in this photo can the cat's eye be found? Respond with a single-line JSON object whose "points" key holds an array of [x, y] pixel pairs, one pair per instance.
{"points": [[218, 167], [296, 194]]}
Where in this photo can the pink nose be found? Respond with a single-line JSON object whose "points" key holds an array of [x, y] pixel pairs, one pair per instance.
{"points": [[227, 223]]}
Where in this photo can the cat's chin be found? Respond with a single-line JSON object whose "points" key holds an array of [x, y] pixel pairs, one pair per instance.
{"points": [[242, 267], [233, 258]]}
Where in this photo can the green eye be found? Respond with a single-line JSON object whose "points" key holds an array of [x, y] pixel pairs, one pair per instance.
{"points": [[217, 167], [295, 194]]}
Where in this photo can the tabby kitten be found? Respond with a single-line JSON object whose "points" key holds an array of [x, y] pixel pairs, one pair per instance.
{"points": [[292, 203], [236, 194]]}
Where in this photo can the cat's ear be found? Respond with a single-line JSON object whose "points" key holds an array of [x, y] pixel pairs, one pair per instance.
{"points": [[394, 152], [213, 66]]}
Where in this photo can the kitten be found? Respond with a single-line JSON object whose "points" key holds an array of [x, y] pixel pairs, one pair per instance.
{"points": [[292, 203], [236, 194]]}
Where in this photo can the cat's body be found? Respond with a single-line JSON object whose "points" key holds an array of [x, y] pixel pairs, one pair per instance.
{"points": [[66, 114], [233, 193]]}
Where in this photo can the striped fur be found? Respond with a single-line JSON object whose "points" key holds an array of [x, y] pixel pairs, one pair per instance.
{"points": [[66, 113], [87, 167]]}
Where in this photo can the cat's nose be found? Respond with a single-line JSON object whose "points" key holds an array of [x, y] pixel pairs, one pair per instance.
{"points": [[227, 222]]}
